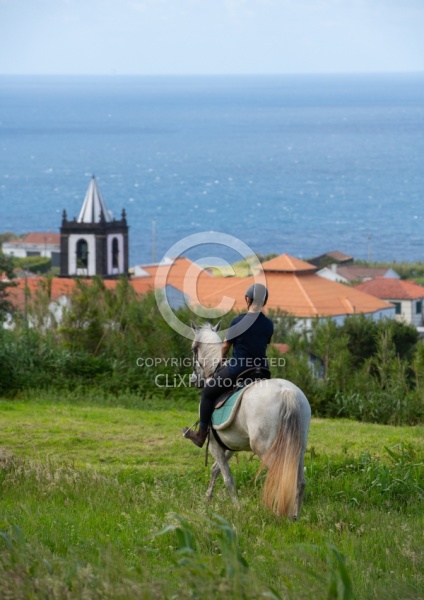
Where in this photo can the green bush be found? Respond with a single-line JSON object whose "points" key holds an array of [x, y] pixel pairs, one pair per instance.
{"points": [[35, 264], [378, 406]]}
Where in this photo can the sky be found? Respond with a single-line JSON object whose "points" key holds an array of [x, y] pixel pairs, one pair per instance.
{"points": [[185, 37]]}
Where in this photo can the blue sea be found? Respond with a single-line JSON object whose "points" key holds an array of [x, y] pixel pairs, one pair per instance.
{"points": [[296, 164]]}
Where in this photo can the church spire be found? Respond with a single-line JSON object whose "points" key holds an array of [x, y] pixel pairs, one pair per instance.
{"points": [[95, 243], [94, 209]]}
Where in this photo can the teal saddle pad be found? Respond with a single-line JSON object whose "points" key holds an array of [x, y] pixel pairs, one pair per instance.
{"points": [[222, 414]]}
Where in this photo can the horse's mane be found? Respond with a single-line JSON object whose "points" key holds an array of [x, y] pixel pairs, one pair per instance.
{"points": [[207, 335], [210, 343]]}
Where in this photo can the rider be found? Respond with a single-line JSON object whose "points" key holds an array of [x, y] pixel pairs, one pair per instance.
{"points": [[249, 340]]}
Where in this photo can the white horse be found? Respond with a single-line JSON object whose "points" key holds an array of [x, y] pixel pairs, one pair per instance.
{"points": [[272, 421]]}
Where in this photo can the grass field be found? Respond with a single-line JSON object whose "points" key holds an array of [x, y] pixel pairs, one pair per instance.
{"points": [[104, 499]]}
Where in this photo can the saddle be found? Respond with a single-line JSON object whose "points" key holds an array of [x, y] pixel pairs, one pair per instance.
{"points": [[245, 378], [227, 403]]}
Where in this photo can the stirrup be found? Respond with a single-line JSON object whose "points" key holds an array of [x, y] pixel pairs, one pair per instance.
{"points": [[194, 427]]}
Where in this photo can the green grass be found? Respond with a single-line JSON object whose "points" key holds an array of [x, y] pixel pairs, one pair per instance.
{"points": [[107, 501]]}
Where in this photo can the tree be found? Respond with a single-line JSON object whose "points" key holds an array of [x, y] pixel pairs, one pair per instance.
{"points": [[6, 282], [330, 345], [361, 332], [404, 336]]}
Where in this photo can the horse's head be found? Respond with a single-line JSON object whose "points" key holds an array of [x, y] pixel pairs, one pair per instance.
{"points": [[206, 348]]}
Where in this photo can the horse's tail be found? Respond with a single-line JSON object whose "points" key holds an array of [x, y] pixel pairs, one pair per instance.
{"points": [[282, 460]]}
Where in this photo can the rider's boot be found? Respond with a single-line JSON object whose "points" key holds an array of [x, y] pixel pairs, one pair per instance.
{"points": [[197, 437]]}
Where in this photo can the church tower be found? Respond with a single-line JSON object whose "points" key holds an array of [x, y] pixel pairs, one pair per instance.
{"points": [[94, 243]]}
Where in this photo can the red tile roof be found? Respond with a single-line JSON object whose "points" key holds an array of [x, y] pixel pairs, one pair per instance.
{"points": [[309, 295], [42, 238], [181, 273], [142, 285], [300, 292], [392, 289], [60, 286], [287, 264]]}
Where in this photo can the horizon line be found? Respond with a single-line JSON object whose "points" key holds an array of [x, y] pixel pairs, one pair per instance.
{"points": [[252, 74]]}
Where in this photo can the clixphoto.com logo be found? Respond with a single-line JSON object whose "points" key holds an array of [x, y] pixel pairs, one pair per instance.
{"points": [[165, 380], [189, 285]]}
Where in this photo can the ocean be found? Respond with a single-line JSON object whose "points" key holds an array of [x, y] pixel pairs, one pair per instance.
{"points": [[296, 164]]}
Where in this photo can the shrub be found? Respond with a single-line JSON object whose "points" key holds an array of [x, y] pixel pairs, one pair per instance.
{"points": [[378, 406], [35, 264], [115, 341]]}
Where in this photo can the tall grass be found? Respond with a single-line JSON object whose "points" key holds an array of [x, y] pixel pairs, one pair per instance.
{"points": [[128, 529], [94, 539]]}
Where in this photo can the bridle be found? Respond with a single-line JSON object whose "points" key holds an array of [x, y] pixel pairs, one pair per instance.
{"points": [[198, 374]]}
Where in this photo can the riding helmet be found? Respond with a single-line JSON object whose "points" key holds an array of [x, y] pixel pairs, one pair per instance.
{"points": [[258, 293]]}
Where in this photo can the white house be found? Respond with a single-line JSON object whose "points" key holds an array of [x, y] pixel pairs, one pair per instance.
{"points": [[355, 273], [35, 244], [406, 296]]}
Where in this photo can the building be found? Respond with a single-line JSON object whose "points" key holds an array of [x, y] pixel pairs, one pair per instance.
{"points": [[295, 288], [335, 256], [44, 244], [406, 296], [94, 243], [355, 273]]}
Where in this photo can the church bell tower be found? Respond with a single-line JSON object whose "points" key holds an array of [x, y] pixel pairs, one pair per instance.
{"points": [[94, 243]]}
